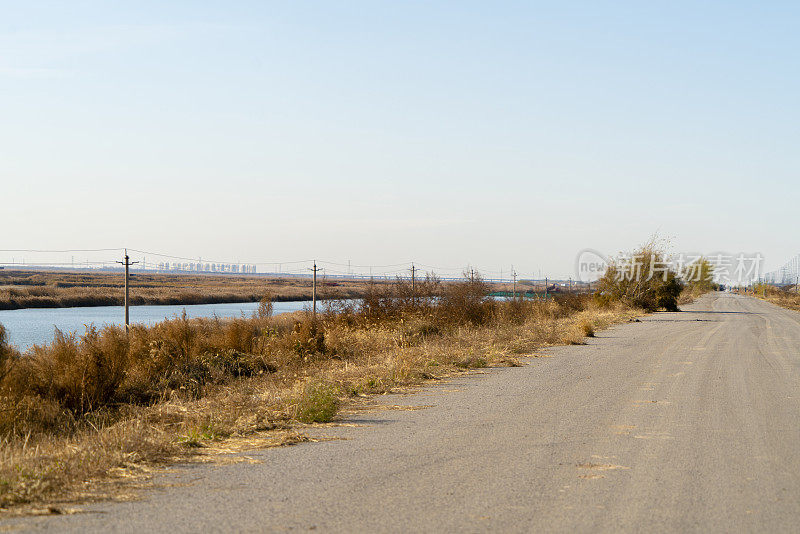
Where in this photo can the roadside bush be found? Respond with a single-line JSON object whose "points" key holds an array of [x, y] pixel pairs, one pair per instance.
{"points": [[667, 293], [515, 311], [308, 337], [466, 302], [81, 375], [643, 280], [385, 301], [587, 327], [571, 302], [7, 353], [318, 404], [698, 278], [31, 415]]}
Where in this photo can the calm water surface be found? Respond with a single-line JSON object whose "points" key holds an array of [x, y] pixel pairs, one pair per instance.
{"points": [[36, 326]]}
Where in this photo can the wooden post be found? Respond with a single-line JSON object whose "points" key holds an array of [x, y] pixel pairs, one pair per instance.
{"points": [[514, 287], [127, 263], [314, 270], [127, 290], [314, 293], [413, 284]]}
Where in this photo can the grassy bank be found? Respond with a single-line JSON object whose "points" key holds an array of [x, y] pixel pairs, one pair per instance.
{"points": [[785, 298], [80, 414], [42, 289]]}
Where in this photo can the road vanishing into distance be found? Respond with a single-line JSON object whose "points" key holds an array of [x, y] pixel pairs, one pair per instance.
{"points": [[685, 422]]}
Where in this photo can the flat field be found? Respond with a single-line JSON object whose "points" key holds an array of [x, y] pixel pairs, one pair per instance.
{"points": [[60, 289]]}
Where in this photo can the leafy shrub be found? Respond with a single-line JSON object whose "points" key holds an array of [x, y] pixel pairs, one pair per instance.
{"points": [[698, 277], [472, 362], [318, 404], [644, 280]]}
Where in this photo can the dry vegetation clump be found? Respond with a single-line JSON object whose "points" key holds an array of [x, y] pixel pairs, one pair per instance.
{"points": [[698, 279], [7, 353], [643, 280], [318, 403], [83, 407], [784, 297]]}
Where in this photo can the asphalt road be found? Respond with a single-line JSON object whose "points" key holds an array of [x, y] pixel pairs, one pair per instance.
{"points": [[684, 422]]}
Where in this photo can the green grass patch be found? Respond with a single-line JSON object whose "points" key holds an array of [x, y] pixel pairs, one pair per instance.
{"points": [[318, 404]]}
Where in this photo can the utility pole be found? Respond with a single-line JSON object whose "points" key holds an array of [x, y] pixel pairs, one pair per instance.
{"points": [[545, 288], [413, 283], [314, 292], [514, 290], [127, 263]]}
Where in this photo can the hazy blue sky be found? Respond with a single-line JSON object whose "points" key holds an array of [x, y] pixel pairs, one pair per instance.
{"points": [[448, 133]]}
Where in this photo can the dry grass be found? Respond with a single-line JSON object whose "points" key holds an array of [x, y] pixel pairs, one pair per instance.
{"points": [[43, 289], [785, 298], [78, 412]]}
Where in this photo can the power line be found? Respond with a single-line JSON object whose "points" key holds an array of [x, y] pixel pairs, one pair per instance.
{"points": [[195, 259], [37, 251], [375, 270], [364, 266], [53, 264], [441, 268]]}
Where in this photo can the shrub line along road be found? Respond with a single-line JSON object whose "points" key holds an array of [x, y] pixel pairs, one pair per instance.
{"points": [[684, 422]]}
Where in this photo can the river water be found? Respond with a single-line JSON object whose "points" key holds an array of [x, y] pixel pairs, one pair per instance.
{"points": [[36, 325]]}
